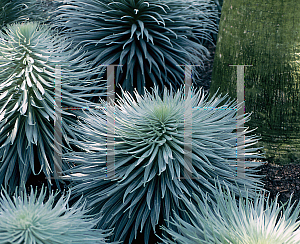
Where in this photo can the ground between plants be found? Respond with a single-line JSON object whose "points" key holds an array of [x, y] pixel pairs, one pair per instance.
{"points": [[284, 180]]}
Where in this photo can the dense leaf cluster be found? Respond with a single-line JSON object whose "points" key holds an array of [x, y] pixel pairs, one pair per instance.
{"points": [[150, 40], [151, 159], [134, 161]]}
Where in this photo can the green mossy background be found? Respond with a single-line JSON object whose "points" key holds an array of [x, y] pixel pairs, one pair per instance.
{"points": [[265, 34]]}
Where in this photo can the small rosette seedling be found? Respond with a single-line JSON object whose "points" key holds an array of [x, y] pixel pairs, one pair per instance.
{"points": [[33, 218], [31, 58], [229, 221], [147, 163]]}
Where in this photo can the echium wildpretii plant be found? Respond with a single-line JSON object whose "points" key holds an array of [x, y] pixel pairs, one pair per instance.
{"points": [[150, 157], [150, 41], [33, 218], [226, 221], [29, 53]]}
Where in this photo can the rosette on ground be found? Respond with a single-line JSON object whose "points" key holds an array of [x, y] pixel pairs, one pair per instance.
{"points": [[143, 172], [226, 221], [150, 39], [31, 58], [34, 218]]}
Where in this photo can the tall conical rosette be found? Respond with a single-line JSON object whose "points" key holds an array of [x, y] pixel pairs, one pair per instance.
{"points": [[30, 58]]}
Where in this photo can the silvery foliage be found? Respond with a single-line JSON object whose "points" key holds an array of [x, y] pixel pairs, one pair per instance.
{"points": [[150, 158], [228, 221], [29, 53], [150, 39], [11, 11], [17, 11], [41, 10], [31, 219]]}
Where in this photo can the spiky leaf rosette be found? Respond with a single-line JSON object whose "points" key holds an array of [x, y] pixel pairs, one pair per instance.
{"points": [[146, 37], [30, 219], [248, 221], [149, 156], [29, 54]]}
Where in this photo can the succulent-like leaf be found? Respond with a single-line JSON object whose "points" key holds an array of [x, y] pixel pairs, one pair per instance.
{"points": [[248, 221], [32, 219], [29, 54], [149, 153], [146, 37]]}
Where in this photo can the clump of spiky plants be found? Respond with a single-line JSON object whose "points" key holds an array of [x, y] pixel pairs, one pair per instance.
{"points": [[29, 53], [149, 157], [146, 37], [33, 218], [226, 221]]}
